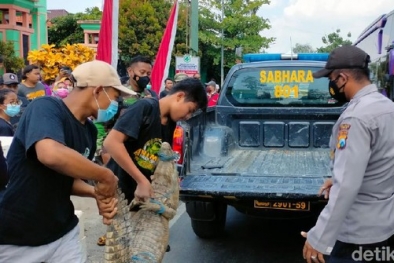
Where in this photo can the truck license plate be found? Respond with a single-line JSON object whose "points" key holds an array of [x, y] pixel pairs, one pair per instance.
{"points": [[283, 205]]}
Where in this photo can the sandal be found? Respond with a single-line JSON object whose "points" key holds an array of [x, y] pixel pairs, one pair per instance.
{"points": [[101, 241]]}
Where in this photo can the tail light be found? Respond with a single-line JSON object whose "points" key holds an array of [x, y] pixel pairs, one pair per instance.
{"points": [[177, 143]]}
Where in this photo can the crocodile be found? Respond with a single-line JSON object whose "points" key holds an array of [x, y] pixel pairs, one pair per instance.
{"points": [[143, 235]]}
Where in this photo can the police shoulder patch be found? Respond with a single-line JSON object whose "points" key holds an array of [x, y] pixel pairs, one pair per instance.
{"points": [[342, 135]]}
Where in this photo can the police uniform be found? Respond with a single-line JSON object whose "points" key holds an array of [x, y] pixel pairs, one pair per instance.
{"points": [[360, 209]]}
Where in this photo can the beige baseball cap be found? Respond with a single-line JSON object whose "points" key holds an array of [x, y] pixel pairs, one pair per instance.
{"points": [[99, 73]]}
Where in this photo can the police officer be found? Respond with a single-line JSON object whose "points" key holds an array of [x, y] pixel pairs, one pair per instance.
{"points": [[359, 216]]}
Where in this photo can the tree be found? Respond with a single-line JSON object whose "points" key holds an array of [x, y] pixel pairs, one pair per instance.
{"points": [[65, 29], [334, 40], [141, 26], [11, 61], [303, 48], [241, 27]]}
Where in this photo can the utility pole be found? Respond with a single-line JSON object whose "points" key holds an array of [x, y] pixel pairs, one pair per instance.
{"points": [[187, 25], [222, 51]]}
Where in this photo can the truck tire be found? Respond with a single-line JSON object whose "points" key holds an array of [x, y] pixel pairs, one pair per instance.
{"points": [[213, 227]]}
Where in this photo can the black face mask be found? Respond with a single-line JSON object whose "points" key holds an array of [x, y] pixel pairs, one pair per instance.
{"points": [[142, 82], [335, 91]]}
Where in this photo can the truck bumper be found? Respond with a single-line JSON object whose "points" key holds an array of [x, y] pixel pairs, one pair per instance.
{"points": [[250, 187]]}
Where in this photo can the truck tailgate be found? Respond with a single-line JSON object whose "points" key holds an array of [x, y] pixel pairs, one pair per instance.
{"points": [[282, 173]]}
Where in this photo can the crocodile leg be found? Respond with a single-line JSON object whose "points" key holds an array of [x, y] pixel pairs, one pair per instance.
{"points": [[168, 212]]}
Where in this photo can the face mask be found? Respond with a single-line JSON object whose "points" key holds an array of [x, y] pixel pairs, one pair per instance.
{"points": [[109, 113], [335, 91], [61, 93], [12, 110], [142, 82], [148, 86]]}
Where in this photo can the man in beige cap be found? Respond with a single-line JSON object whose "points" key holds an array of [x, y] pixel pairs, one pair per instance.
{"points": [[49, 159]]}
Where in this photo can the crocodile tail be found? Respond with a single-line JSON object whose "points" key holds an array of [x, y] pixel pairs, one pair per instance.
{"points": [[117, 243]]}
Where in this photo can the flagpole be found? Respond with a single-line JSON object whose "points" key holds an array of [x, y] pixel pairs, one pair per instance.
{"points": [[115, 34], [222, 50]]}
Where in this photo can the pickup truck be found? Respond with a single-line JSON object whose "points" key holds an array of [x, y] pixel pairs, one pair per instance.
{"points": [[264, 149]]}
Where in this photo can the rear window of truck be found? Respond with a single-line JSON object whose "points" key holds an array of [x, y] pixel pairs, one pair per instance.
{"points": [[279, 87]]}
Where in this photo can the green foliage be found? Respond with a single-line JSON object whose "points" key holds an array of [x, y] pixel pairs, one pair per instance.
{"points": [[241, 27], [334, 40], [11, 61], [180, 47], [303, 48], [141, 27], [142, 24], [66, 30]]}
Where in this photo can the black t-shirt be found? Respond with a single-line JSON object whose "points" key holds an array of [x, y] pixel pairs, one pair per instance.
{"points": [[3, 170], [36, 208], [6, 129], [163, 93], [142, 124]]}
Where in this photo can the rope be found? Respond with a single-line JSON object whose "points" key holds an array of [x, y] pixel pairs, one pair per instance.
{"points": [[144, 257], [162, 208], [166, 158]]}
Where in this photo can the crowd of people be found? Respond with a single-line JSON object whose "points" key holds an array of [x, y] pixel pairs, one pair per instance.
{"points": [[124, 124], [84, 135], [33, 85]]}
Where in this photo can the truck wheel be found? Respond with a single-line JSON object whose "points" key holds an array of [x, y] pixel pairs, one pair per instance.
{"points": [[214, 227]]}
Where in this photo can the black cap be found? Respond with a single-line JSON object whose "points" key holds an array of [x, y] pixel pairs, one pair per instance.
{"points": [[345, 57]]}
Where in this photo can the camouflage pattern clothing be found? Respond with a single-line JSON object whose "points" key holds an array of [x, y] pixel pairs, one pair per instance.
{"points": [[104, 128]]}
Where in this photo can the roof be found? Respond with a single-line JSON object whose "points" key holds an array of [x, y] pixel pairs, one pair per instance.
{"points": [[53, 13]]}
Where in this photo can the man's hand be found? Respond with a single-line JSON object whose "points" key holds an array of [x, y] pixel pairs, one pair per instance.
{"points": [[310, 254], [144, 191], [107, 187], [325, 188], [107, 208]]}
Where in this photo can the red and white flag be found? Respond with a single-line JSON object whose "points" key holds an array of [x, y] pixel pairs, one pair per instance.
{"points": [[163, 57], [107, 49]]}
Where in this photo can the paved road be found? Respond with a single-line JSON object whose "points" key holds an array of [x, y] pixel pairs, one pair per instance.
{"points": [[247, 239]]}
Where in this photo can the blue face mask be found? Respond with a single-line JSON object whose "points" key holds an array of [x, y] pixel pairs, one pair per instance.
{"points": [[109, 113], [149, 86], [12, 110]]}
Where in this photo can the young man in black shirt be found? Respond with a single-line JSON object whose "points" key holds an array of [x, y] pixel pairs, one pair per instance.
{"points": [[136, 138], [48, 159]]}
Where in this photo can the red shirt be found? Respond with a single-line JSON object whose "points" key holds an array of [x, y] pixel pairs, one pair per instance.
{"points": [[213, 99]]}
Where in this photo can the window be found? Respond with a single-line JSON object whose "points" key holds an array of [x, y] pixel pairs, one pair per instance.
{"points": [[26, 47], [388, 32], [286, 86]]}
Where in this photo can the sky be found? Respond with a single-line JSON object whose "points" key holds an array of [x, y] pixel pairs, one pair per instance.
{"points": [[293, 21]]}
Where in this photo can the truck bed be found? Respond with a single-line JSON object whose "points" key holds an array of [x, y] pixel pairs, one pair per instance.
{"points": [[313, 163], [256, 173]]}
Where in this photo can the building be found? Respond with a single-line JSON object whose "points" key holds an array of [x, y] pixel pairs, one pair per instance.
{"points": [[54, 13], [91, 30], [24, 23]]}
